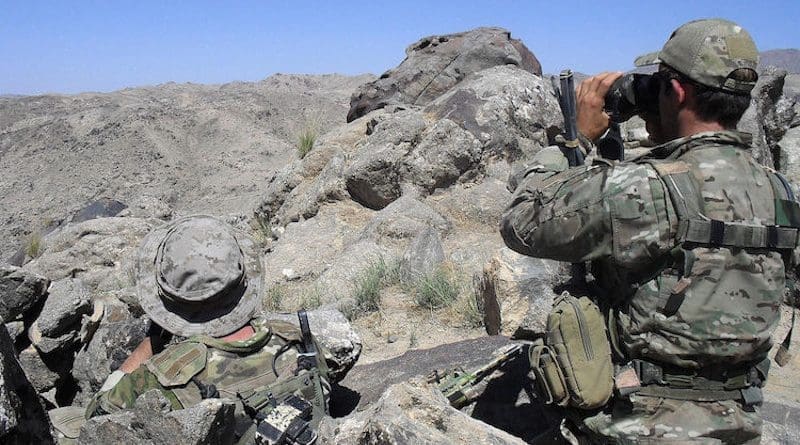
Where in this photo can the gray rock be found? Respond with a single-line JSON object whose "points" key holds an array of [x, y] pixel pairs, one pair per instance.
{"points": [[23, 419], [335, 333], [99, 252], [67, 302], [445, 153], [523, 291], [15, 329], [102, 208], [424, 254], [790, 148], [405, 219], [144, 206], [279, 185], [117, 336], [482, 204], [375, 175], [41, 375], [305, 200], [408, 413], [764, 119], [20, 290], [509, 110], [434, 64], [151, 421], [339, 280]]}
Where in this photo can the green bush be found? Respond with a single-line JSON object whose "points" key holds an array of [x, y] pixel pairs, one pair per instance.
{"points": [[275, 296], [437, 290], [306, 140], [34, 247]]}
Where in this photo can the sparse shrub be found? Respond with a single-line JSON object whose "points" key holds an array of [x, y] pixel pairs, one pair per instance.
{"points": [[261, 229], [470, 310], [412, 340], [274, 299], [311, 299], [34, 246], [437, 289], [367, 293], [306, 139]]}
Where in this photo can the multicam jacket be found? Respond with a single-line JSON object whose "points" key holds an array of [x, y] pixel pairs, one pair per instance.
{"points": [[202, 367], [684, 243]]}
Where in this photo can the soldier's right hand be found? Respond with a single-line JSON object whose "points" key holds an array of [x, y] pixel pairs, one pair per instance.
{"points": [[592, 120]]}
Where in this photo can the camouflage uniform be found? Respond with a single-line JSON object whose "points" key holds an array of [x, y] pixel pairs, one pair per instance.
{"points": [[202, 367], [680, 293]]}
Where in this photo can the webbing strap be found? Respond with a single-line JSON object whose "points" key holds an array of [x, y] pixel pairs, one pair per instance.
{"points": [[720, 233], [699, 395], [695, 227]]}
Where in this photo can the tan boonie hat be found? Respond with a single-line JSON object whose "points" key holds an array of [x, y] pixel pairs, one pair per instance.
{"points": [[707, 52], [199, 275]]}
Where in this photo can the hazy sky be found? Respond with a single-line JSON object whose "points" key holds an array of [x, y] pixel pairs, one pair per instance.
{"points": [[73, 46]]}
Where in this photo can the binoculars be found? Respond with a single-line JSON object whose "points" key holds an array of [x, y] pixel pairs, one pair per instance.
{"points": [[632, 94]]}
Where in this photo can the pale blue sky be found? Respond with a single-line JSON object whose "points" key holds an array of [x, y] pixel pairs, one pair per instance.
{"points": [[74, 46]]}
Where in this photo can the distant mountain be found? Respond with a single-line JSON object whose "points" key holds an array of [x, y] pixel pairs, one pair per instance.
{"points": [[788, 59]]}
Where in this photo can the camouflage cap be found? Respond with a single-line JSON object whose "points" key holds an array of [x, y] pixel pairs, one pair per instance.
{"points": [[199, 275], [707, 52]]}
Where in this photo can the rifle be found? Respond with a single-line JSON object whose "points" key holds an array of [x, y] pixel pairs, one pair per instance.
{"points": [[571, 149], [459, 386]]}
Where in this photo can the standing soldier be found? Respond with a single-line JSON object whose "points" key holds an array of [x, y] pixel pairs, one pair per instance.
{"points": [[688, 245]]}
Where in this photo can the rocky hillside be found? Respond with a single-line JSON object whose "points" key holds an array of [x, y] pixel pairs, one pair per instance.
{"points": [[194, 148], [388, 227]]}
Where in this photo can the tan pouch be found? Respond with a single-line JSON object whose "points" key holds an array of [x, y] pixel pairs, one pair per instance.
{"points": [[576, 335]]}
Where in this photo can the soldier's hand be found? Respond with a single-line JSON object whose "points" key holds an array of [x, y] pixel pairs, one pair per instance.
{"points": [[590, 95]]}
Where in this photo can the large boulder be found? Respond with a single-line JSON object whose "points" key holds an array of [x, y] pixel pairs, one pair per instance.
{"points": [[152, 422], [411, 413], [20, 290], [405, 219], [790, 148], [98, 251], [434, 64], [59, 324], [23, 419], [424, 255]]}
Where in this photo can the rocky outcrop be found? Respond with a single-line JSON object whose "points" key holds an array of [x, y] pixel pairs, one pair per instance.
{"points": [[411, 413], [152, 422], [434, 64], [23, 419], [20, 290]]}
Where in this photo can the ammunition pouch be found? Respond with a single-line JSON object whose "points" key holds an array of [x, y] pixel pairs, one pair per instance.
{"points": [[573, 366], [706, 385]]}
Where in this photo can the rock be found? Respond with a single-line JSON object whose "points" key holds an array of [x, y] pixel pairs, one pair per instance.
{"points": [[117, 336], [151, 421], [15, 329], [374, 177], [790, 148], [305, 200], [67, 302], [445, 153], [335, 333], [764, 119], [99, 252], [482, 204], [20, 290], [523, 291], [43, 376], [102, 208], [23, 419], [509, 110], [434, 64], [411, 413], [405, 219], [424, 255]]}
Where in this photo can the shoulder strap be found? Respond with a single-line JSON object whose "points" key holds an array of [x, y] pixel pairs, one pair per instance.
{"points": [[695, 227]]}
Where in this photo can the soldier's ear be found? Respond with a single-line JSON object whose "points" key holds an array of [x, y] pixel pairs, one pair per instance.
{"points": [[679, 90]]}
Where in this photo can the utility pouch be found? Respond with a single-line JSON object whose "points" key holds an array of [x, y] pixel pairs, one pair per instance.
{"points": [[550, 384], [577, 339]]}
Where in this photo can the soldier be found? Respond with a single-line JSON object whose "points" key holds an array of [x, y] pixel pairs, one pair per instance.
{"points": [[688, 246], [200, 279]]}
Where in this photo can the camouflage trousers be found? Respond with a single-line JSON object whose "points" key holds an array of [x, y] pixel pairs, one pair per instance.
{"points": [[654, 420]]}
